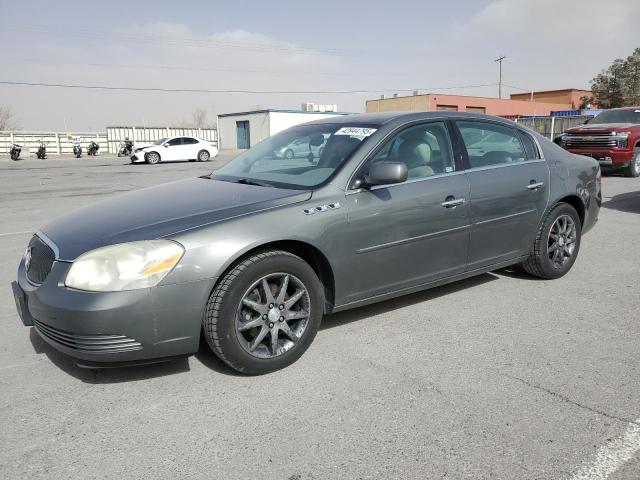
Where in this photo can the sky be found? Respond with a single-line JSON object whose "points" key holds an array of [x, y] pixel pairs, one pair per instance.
{"points": [[277, 49]]}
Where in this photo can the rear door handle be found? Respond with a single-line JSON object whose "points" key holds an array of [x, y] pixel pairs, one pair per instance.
{"points": [[535, 185], [451, 202]]}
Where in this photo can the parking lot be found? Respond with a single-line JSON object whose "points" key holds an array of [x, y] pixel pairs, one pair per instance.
{"points": [[507, 377]]}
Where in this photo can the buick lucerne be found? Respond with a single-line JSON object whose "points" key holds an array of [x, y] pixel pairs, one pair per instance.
{"points": [[253, 255]]}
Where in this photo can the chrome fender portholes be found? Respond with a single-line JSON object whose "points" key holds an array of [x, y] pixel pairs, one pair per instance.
{"points": [[321, 208]]}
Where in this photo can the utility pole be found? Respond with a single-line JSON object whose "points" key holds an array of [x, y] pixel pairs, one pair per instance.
{"points": [[499, 61]]}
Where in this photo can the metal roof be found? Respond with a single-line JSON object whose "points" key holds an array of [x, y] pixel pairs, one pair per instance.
{"points": [[275, 110]]}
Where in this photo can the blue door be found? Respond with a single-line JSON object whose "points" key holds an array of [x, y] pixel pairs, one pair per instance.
{"points": [[242, 133]]}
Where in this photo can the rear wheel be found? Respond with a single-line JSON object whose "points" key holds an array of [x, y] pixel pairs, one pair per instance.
{"points": [[203, 156], [152, 157], [556, 244], [264, 313], [288, 153], [633, 169]]}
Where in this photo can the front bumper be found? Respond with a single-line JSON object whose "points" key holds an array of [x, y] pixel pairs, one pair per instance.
{"points": [[109, 327], [606, 157]]}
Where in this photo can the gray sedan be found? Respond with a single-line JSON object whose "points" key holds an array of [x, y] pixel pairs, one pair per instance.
{"points": [[253, 255]]}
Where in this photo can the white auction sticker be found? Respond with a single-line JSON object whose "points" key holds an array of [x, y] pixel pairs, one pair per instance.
{"points": [[356, 131]]}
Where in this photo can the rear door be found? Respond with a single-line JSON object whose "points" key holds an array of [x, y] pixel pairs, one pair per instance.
{"points": [[509, 190], [414, 232], [191, 147]]}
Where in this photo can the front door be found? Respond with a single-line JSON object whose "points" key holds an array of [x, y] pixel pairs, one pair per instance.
{"points": [[411, 233], [172, 150], [509, 191], [243, 135]]}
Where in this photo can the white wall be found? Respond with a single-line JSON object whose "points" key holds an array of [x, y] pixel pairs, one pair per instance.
{"points": [[262, 125], [227, 133], [283, 120]]}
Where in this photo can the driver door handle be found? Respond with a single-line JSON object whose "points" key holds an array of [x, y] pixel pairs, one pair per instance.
{"points": [[535, 185], [451, 202]]}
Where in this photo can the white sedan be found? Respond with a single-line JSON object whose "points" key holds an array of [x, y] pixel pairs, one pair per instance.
{"points": [[176, 148]]}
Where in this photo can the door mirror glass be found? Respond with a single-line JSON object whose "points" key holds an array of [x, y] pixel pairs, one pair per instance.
{"points": [[386, 173]]}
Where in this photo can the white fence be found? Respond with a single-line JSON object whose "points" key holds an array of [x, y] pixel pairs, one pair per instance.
{"points": [[59, 143], [115, 135]]}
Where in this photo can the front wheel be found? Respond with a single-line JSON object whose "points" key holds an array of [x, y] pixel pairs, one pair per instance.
{"points": [[264, 313], [203, 156], [152, 157], [557, 243], [288, 154], [633, 169]]}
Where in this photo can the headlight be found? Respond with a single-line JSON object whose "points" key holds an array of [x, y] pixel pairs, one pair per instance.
{"points": [[622, 138], [127, 266]]}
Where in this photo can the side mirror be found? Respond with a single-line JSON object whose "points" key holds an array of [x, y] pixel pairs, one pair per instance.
{"points": [[385, 173]]}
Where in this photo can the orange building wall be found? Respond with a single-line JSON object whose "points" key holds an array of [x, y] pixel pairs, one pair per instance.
{"points": [[571, 96], [492, 106], [495, 106]]}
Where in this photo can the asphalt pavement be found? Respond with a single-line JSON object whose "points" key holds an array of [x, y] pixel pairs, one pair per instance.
{"points": [[501, 376]]}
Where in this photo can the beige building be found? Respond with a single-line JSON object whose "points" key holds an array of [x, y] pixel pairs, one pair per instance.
{"points": [[461, 103]]}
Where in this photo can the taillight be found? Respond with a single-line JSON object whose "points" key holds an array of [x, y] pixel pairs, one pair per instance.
{"points": [[599, 175]]}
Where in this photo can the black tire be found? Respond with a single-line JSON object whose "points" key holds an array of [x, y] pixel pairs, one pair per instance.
{"points": [[203, 156], [288, 153], [539, 264], [152, 157], [219, 322], [633, 169]]}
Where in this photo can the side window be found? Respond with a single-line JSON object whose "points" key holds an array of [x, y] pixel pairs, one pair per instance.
{"points": [[530, 147], [175, 142], [189, 141], [425, 149], [489, 144]]}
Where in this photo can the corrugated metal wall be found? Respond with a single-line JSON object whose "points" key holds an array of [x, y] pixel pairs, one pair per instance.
{"points": [[57, 143], [115, 135], [60, 143]]}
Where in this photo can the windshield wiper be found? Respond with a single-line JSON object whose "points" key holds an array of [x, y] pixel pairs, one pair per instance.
{"points": [[248, 181]]}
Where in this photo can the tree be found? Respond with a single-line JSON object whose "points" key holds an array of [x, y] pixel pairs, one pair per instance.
{"points": [[7, 119], [199, 118], [618, 85]]}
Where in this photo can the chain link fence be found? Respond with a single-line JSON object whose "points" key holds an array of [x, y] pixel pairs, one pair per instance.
{"points": [[551, 127]]}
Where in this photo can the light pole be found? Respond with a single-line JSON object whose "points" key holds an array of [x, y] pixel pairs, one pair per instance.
{"points": [[499, 61]]}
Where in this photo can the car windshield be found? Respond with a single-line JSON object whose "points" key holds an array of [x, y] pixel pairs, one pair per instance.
{"points": [[160, 142], [301, 157], [617, 116]]}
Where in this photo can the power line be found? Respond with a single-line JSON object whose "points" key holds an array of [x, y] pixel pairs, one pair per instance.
{"points": [[192, 42], [231, 91]]}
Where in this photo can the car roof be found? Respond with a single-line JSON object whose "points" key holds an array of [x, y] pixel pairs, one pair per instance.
{"points": [[382, 118]]}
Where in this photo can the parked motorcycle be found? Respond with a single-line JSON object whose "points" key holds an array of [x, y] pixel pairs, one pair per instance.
{"points": [[42, 151], [92, 149], [125, 148], [77, 150], [15, 151]]}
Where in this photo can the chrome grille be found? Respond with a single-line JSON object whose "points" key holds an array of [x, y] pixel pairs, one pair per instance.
{"points": [[597, 140], [100, 343], [41, 258]]}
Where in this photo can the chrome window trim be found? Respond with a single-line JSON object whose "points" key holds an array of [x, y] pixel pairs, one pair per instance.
{"points": [[501, 165]]}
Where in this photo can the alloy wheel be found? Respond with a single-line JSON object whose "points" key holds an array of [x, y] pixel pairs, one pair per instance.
{"points": [[562, 241], [273, 315]]}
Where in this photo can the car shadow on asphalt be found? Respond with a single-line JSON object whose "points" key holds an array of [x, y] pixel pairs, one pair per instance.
{"points": [[625, 202], [343, 318]]}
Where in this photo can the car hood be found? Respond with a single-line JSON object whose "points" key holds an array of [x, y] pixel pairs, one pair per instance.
{"points": [[161, 211], [600, 127]]}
